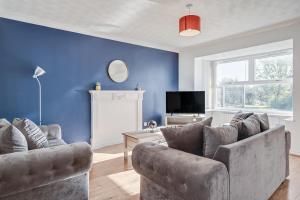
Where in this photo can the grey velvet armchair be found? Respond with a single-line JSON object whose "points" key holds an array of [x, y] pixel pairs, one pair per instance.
{"points": [[54, 173]]}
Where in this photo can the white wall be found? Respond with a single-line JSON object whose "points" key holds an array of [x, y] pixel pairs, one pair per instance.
{"points": [[203, 80], [283, 32]]}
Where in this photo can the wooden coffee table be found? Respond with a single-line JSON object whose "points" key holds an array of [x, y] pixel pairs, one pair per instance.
{"points": [[131, 139]]}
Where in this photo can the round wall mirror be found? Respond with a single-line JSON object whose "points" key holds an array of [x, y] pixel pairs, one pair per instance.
{"points": [[117, 71]]}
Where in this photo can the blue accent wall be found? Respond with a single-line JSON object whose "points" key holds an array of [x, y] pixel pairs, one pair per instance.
{"points": [[74, 62]]}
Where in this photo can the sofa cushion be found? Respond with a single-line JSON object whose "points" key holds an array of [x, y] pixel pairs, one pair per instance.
{"points": [[4, 122], [188, 138], [55, 142], [35, 137], [214, 137], [264, 122], [249, 127], [12, 140]]}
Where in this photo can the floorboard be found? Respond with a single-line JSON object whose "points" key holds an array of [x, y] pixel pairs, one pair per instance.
{"points": [[112, 179]]}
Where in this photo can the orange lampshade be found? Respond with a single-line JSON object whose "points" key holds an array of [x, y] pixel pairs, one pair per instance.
{"points": [[189, 25]]}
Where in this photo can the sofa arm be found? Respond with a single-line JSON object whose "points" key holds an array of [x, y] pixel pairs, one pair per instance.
{"points": [[27, 170], [254, 163], [52, 131], [185, 175]]}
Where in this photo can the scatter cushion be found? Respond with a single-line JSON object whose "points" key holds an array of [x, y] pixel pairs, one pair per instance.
{"points": [[188, 138], [249, 127], [35, 137], [4, 122], [12, 140], [216, 136], [240, 116], [264, 122]]}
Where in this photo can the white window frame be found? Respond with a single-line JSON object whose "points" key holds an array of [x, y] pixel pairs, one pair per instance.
{"points": [[251, 76]]}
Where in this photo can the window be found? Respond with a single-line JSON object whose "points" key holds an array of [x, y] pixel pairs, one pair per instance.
{"points": [[269, 96], [232, 72], [262, 82], [274, 68]]}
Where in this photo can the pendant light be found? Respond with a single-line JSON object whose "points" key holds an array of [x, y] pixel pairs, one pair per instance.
{"points": [[189, 25]]}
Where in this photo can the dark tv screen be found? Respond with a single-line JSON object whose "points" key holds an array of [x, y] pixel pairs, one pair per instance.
{"points": [[185, 102]]}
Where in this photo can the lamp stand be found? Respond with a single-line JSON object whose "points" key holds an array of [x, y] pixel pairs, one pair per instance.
{"points": [[40, 99]]}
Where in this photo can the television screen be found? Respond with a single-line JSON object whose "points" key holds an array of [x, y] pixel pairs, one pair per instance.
{"points": [[185, 102]]}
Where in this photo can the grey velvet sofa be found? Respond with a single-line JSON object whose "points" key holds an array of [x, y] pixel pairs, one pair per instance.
{"points": [[54, 173], [250, 169]]}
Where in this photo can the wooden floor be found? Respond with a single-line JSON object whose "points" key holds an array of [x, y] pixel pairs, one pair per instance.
{"points": [[111, 178]]}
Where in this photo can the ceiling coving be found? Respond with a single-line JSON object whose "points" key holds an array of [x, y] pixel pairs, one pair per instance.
{"points": [[152, 23]]}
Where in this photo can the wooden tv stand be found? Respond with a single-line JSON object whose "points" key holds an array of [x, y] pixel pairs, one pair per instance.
{"points": [[182, 119]]}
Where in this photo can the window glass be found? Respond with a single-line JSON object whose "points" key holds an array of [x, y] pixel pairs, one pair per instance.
{"points": [[269, 96], [219, 100], [234, 96], [274, 68], [274, 96], [232, 72]]}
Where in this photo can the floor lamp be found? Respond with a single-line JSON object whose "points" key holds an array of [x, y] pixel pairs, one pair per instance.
{"points": [[39, 72]]}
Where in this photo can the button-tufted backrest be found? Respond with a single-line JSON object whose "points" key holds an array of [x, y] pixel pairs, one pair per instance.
{"points": [[26, 170]]}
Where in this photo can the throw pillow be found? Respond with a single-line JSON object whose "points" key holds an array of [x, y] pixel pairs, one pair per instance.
{"points": [[249, 127], [264, 122], [238, 117], [4, 122], [35, 137], [12, 140], [214, 137], [188, 138]]}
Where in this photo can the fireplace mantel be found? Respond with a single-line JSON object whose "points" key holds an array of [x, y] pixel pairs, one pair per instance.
{"points": [[114, 112]]}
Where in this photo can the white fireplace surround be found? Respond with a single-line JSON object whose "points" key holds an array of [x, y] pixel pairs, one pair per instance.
{"points": [[114, 112]]}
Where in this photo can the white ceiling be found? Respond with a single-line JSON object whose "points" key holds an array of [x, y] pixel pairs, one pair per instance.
{"points": [[151, 23]]}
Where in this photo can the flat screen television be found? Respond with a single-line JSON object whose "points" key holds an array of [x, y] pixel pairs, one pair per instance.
{"points": [[189, 102]]}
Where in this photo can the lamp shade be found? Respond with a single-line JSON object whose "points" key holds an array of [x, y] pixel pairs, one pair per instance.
{"points": [[189, 25], [38, 72]]}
